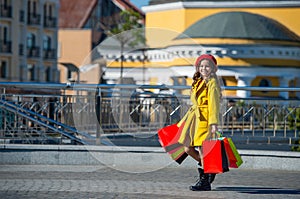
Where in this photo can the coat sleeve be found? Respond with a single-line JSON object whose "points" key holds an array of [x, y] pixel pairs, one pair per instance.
{"points": [[213, 103]]}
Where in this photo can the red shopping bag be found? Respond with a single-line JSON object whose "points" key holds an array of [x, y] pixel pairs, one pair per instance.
{"points": [[169, 135], [214, 156], [168, 138]]}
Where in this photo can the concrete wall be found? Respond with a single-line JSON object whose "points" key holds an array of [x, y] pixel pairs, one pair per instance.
{"points": [[124, 158]]}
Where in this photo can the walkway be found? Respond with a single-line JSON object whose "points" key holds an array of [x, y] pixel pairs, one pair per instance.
{"points": [[99, 181]]}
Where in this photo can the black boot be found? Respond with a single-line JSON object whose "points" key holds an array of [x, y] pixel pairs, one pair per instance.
{"points": [[211, 177], [203, 182]]}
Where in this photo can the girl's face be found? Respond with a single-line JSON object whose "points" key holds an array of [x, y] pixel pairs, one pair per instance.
{"points": [[205, 68]]}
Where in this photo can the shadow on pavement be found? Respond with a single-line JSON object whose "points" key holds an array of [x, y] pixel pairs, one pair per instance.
{"points": [[260, 190]]}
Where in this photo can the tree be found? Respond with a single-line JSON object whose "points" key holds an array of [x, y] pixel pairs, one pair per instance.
{"points": [[127, 29]]}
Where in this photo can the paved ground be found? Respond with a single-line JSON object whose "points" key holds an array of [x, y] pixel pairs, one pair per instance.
{"points": [[51, 181]]}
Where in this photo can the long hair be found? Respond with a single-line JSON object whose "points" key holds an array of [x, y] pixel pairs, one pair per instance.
{"points": [[196, 77]]}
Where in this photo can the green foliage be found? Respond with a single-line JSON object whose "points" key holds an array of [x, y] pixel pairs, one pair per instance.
{"points": [[127, 29], [130, 21], [240, 103]]}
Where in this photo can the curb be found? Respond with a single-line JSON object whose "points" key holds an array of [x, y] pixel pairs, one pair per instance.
{"points": [[131, 157]]}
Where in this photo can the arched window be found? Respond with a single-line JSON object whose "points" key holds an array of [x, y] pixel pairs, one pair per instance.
{"points": [[30, 40], [46, 42], [264, 83]]}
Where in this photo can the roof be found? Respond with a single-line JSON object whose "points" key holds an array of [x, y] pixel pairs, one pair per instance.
{"points": [[75, 13], [239, 25], [70, 66]]}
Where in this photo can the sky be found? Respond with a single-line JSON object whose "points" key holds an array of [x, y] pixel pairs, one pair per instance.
{"points": [[140, 3]]}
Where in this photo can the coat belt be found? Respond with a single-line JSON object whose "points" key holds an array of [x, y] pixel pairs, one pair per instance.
{"points": [[195, 109]]}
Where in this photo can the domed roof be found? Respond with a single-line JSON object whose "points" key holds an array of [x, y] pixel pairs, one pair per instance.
{"points": [[239, 25]]}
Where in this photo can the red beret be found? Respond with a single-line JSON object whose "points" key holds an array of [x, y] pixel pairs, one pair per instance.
{"points": [[205, 56]]}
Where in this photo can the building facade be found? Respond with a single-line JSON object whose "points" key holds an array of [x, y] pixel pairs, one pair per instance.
{"points": [[80, 31], [256, 43], [28, 38]]}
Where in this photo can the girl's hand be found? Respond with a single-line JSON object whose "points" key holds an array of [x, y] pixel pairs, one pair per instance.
{"points": [[213, 131]]}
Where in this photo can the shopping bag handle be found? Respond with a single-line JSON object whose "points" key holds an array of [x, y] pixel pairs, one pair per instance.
{"points": [[217, 135]]}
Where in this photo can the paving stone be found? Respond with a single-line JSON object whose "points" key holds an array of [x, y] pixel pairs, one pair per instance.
{"points": [[63, 181]]}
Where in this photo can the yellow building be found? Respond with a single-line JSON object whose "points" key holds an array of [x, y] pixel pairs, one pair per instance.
{"points": [[256, 43], [28, 40]]}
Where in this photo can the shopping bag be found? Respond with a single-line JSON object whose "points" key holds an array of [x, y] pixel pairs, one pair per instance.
{"points": [[168, 138], [239, 159], [178, 154], [232, 160], [214, 156]]}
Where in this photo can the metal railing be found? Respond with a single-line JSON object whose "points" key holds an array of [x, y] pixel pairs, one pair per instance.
{"points": [[82, 113]]}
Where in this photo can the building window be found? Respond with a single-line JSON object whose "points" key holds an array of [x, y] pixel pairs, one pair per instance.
{"points": [[46, 43], [49, 19], [45, 10], [48, 10], [48, 74], [4, 3], [30, 40], [4, 35], [5, 43], [264, 83], [32, 7], [30, 72], [3, 69]]}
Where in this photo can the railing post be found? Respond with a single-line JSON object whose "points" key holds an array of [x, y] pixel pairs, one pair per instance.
{"points": [[274, 122], [99, 116], [252, 121]]}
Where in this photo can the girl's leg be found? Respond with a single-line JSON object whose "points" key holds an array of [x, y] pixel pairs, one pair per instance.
{"points": [[191, 151], [200, 155]]}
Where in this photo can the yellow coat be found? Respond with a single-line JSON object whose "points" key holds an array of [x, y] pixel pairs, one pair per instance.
{"points": [[204, 112]]}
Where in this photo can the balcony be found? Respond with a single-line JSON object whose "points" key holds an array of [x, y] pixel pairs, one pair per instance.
{"points": [[33, 52], [49, 54], [5, 46], [5, 11], [34, 19], [50, 22]]}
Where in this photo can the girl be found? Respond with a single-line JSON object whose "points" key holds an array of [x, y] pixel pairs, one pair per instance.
{"points": [[202, 119]]}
